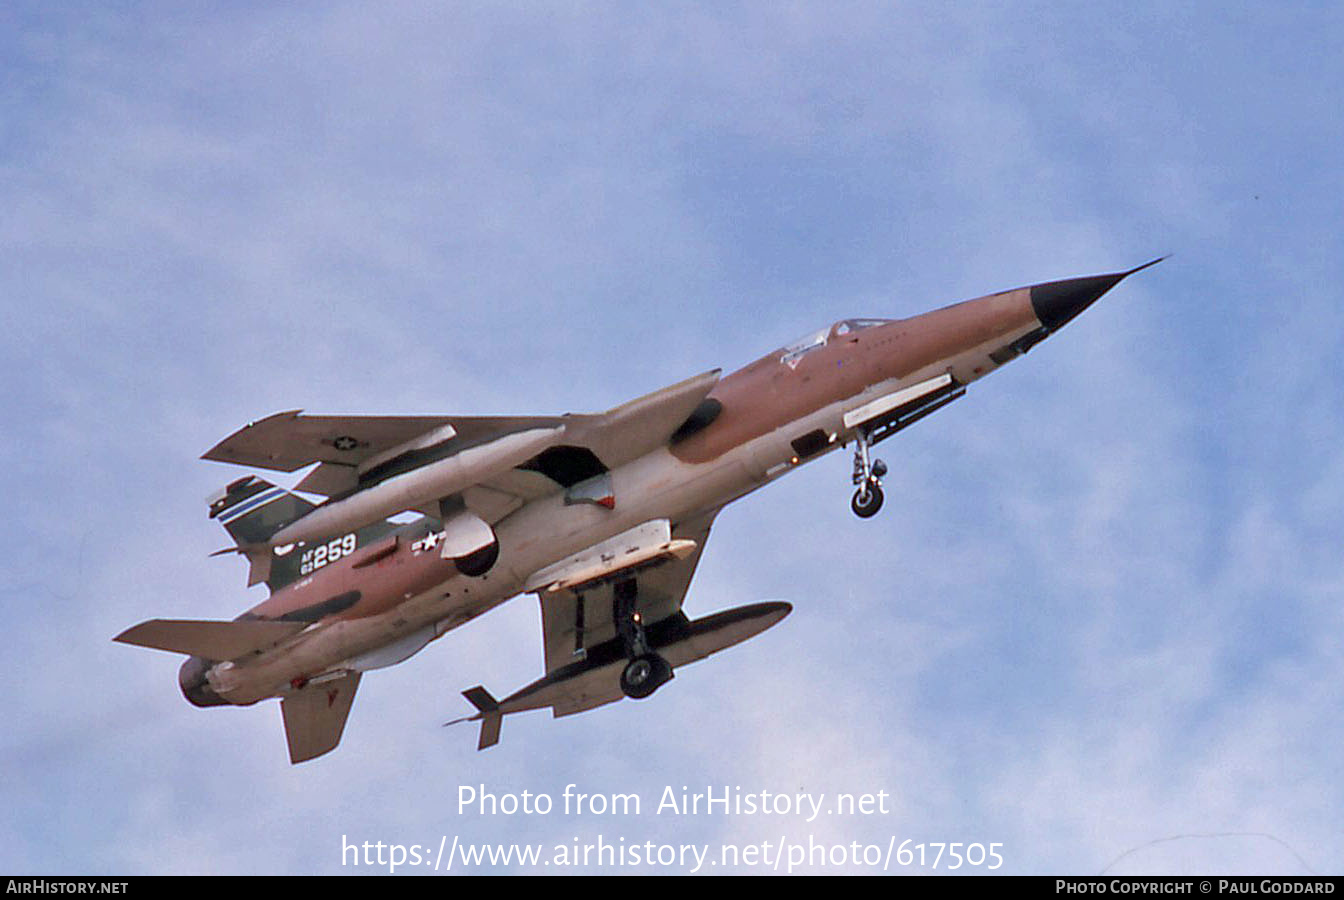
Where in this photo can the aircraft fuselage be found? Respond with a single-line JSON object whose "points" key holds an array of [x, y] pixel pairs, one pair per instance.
{"points": [[777, 413], [354, 608]]}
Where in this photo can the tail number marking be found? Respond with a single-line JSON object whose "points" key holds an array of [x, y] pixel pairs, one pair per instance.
{"points": [[317, 557]]}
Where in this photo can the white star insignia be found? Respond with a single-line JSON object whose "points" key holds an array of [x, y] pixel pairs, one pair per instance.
{"points": [[428, 542]]}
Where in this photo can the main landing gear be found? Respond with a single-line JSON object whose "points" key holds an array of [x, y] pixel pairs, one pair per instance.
{"points": [[646, 671], [868, 476]]}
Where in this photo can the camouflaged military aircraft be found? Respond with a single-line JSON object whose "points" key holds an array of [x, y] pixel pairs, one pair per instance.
{"points": [[603, 517]]}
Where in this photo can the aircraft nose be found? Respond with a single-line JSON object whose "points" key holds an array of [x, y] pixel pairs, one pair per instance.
{"points": [[1056, 303], [191, 678]]}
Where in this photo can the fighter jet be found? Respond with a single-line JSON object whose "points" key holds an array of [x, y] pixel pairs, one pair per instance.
{"points": [[603, 517]]}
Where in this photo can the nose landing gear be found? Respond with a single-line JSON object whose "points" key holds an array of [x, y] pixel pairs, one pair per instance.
{"points": [[868, 476]]}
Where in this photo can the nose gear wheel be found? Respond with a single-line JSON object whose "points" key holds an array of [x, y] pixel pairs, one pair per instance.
{"points": [[868, 476]]}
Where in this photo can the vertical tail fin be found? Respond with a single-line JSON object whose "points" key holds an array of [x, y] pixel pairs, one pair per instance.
{"points": [[252, 509]]}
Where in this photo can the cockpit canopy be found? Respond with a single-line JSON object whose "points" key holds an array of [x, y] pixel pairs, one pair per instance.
{"points": [[847, 326], [798, 349]]}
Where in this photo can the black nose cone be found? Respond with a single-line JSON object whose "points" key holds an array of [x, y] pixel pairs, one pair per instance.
{"points": [[1057, 302]]}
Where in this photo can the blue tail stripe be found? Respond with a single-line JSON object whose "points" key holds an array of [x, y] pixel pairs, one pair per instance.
{"points": [[251, 504]]}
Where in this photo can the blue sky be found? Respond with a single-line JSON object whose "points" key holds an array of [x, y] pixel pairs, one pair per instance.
{"points": [[1100, 609]]}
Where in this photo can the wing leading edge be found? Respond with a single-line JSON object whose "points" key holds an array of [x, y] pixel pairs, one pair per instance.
{"points": [[288, 441], [356, 447]]}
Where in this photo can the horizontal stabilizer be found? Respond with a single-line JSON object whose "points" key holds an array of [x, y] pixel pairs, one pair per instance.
{"points": [[315, 716], [259, 561], [211, 640]]}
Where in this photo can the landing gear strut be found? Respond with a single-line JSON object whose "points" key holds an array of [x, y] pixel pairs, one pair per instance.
{"points": [[646, 671], [868, 476]]}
